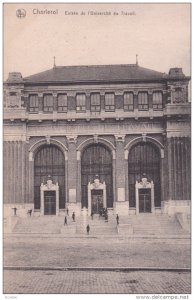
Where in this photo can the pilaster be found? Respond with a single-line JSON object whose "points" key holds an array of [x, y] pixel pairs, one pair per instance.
{"points": [[120, 168], [72, 168]]}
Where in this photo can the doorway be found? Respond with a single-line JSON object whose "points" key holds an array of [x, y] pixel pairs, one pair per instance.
{"points": [[145, 200], [97, 201], [50, 202]]}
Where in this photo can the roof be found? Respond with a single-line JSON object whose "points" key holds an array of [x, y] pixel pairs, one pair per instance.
{"points": [[100, 73]]}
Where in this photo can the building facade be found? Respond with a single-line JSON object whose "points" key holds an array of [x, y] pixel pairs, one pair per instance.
{"points": [[93, 137]]}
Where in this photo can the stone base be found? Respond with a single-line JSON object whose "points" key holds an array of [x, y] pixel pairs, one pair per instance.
{"points": [[10, 224], [184, 220], [125, 229], [157, 210], [122, 208], [132, 211], [74, 207], [173, 207]]}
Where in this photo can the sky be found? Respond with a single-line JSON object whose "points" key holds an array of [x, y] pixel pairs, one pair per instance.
{"points": [[158, 33]]}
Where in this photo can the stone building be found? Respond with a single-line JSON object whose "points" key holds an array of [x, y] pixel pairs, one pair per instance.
{"points": [[93, 137]]}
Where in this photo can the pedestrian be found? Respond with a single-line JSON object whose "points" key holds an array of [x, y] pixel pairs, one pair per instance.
{"points": [[88, 229], [30, 212], [14, 210], [65, 221], [92, 214], [67, 211], [106, 217], [73, 216], [117, 218]]}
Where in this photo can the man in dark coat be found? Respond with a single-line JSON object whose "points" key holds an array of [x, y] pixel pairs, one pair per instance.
{"points": [[88, 229], [117, 218]]}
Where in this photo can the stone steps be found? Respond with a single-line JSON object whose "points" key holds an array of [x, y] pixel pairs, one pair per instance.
{"points": [[39, 225], [156, 225], [97, 224], [148, 225]]}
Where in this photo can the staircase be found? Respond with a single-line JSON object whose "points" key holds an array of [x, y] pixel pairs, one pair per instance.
{"points": [[142, 225], [156, 225], [39, 225], [98, 226]]}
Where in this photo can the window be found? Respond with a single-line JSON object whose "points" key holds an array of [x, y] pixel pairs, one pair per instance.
{"points": [[128, 101], [157, 101], [13, 100], [95, 102], [81, 102], [178, 95], [48, 103], [143, 101], [62, 103], [109, 102], [33, 103]]}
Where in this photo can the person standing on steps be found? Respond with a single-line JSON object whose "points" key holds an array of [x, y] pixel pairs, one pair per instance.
{"points": [[65, 221], [88, 229], [73, 216], [117, 218]]}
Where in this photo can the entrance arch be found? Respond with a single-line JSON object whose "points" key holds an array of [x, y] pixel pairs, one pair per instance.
{"points": [[49, 160], [144, 161], [96, 159]]}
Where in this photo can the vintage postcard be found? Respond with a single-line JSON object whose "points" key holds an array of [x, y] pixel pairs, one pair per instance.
{"points": [[97, 149]]}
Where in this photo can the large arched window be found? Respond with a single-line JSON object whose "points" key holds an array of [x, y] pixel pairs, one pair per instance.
{"points": [[49, 160], [144, 158], [96, 160]]}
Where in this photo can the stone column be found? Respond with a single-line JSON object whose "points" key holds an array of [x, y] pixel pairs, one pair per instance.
{"points": [[40, 102], [55, 105], [78, 185], [122, 206], [126, 154], [150, 99], [72, 175], [31, 177]]}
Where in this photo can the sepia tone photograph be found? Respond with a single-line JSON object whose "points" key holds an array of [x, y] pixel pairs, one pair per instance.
{"points": [[97, 149]]}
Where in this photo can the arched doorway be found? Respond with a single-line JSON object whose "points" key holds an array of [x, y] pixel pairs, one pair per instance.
{"points": [[97, 160], [144, 160], [49, 160]]}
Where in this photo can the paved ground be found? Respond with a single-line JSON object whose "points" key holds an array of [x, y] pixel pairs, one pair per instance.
{"points": [[52, 252], [96, 282], [89, 252]]}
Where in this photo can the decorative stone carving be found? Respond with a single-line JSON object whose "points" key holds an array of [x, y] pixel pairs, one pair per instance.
{"points": [[144, 137], [96, 183], [120, 138], [72, 139], [95, 138]]}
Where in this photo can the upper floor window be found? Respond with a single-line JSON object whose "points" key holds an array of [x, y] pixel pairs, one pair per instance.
{"points": [[157, 101], [33, 103], [95, 102], [179, 95], [13, 100], [128, 101], [48, 103], [81, 102], [62, 103], [143, 101], [109, 102]]}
